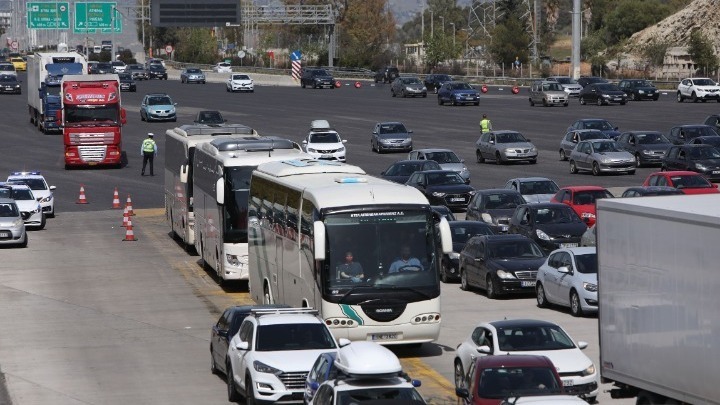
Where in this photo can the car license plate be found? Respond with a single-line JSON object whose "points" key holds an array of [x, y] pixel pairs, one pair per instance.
{"points": [[527, 284], [386, 336], [326, 156], [567, 383], [4, 234], [504, 228], [568, 245], [457, 199], [716, 172]]}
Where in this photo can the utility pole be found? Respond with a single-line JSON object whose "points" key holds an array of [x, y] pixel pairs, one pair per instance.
{"points": [[575, 62]]}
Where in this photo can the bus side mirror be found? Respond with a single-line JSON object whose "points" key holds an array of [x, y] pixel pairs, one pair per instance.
{"points": [[319, 236], [445, 236], [220, 191], [184, 174], [123, 116]]}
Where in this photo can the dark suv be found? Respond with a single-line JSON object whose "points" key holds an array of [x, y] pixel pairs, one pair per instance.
{"points": [[434, 81], [387, 74], [316, 78], [639, 89]]}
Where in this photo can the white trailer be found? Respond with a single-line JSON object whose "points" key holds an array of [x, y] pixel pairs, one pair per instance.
{"points": [[659, 297]]}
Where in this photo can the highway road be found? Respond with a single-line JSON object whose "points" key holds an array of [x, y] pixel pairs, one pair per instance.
{"points": [[89, 319]]}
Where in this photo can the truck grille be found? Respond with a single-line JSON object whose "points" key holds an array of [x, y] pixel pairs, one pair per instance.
{"points": [[92, 153], [526, 275], [294, 381], [93, 138]]}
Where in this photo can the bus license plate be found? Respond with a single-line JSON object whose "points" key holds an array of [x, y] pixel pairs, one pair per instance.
{"points": [[527, 284], [386, 336], [567, 383]]}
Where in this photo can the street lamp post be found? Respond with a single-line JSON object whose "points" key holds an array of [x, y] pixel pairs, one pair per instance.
{"points": [[443, 24], [453, 25]]}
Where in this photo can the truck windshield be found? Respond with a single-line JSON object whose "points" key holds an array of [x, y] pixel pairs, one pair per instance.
{"points": [[91, 114], [52, 90]]}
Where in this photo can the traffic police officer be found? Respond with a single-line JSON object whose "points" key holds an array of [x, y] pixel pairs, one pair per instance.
{"points": [[485, 125], [148, 150]]}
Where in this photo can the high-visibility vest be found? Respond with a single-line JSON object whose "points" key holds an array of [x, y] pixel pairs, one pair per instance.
{"points": [[148, 145], [485, 125]]}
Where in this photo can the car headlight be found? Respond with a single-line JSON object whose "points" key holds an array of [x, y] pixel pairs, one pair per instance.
{"points": [[438, 194], [641, 91], [464, 169], [509, 150], [590, 287], [606, 95], [605, 159], [588, 371], [264, 368], [542, 235], [506, 275], [17, 223], [341, 149], [47, 199], [409, 88], [454, 255], [36, 210], [424, 88], [312, 150], [646, 152], [487, 217], [533, 149], [700, 166]]}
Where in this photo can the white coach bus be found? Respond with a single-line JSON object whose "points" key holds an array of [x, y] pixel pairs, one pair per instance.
{"points": [[306, 215], [221, 184], [179, 148]]}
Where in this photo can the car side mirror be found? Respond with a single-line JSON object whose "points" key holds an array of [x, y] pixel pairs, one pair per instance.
{"points": [[467, 181], [304, 142], [242, 345], [582, 345], [123, 116], [52, 188], [343, 342], [462, 392], [491, 141], [410, 131], [314, 385], [375, 132], [222, 332], [616, 128], [344, 141], [174, 104], [485, 349], [564, 269]]}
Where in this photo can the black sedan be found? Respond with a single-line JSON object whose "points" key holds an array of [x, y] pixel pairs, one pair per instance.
{"points": [[647, 191], [494, 207], [551, 225], [602, 94], [461, 232], [156, 71], [223, 331], [586, 80], [648, 147], [703, 159], [434, 81], [400, 171], [104, 68], [685, 133], [127, 83], [443, 187], [500, 264], [10, 84], [706, 140], [639, 89]]}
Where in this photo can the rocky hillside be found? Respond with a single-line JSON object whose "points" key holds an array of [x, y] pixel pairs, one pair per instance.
{"points": [[676, 29]]}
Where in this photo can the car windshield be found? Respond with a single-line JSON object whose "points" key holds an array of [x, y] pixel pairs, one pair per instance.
{"points": [[642, 83], [392, 128], [710, 140], [704, 153], [703, 82], [690, 181], [531, 338], [555, 215], [8, 79], [590, 135], [552, 87], [159, 101], [505, 382], [590, 196], [34, 184], [125, 76], [411, 80], [135, 67], [460, 86], [607, 87], [603, 147], [694, 132], [565, 80], [241, 77], [156, 67], [442, 78], [408, 168], [193, 71], [443, 157], [510, 137], [327, 137], [298, 336], [22, 195], [586, 264], [210, 117], [320, 73], [444, 178], [462, 232], [382, 395], [8, 210], [538, 187], [9, 68], [651, 138], [118, 63], [522, 249], [503, 201]]}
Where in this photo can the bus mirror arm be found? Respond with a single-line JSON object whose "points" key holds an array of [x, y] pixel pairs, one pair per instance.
{"points": [[184, 174], [220, 191], [445, 236], [319, 236]]}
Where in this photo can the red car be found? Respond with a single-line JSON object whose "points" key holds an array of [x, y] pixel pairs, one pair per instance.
{"points": [[493, 379], [582, 200], [688, 182]]}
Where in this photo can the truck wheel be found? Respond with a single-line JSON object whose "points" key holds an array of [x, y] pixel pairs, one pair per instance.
{"points": [[540, 295], [575, 306]]}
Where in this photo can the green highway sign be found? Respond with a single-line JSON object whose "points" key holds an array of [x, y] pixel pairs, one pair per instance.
{"points": [[94, 17], [48, 16]]}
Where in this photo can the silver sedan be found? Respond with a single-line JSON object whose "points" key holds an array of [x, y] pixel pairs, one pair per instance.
{"points": [[505, 146], [601, 156]]}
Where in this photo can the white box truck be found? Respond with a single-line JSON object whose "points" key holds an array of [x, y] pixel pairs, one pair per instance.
{"points": [[659, 298]]}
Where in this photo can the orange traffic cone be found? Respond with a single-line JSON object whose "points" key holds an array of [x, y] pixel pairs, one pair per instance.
{"points": [[128, 205], [81, 199], [116, 200], [125, 217], [129, 235]]}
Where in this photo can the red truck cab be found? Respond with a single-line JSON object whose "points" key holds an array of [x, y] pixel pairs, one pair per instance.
{"points": [[92, 117]]}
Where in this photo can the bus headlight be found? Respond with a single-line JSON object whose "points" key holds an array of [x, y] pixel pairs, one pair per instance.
{"points": [[341, 323], [432, 317]]}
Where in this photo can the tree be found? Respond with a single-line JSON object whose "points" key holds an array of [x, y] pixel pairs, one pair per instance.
{"points": [[702, 53], [591, 50], [439, 48], [367, 29], [631, 16], [654, 52], [196, 46], [510, 42]]}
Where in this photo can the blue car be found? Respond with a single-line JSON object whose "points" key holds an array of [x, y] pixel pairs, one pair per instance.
{"points": [[324, 369], [458, 93], [157, 107]]}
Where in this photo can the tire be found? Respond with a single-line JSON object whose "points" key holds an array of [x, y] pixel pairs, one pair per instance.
{"points": [[638, 161], [582, 100], [623, 103], [491, 288], [477, 103], [498, 159], [545, 104], [453, 101], [540, 296], [142, 117], [680, 97], [425, 95], [443, 273], [24, 243], [573, 167], [635, 97], [404, 94], [595, 169], [575, 307], [563, 155], [302, 84], [250, 392], [42, 223], [532, 161], [532, 103], [566, 104], [459, 373], [233, 394], [631, 172], [440, 101], [599, 102], [694, 97], [213, 366], [479, 157], [464, 285]]}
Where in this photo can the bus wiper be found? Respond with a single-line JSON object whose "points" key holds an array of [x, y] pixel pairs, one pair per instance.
{"points": [[352, 290]]}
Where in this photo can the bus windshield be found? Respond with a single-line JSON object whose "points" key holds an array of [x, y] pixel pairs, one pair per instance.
{"points": [[369, 252], [237, 188]]}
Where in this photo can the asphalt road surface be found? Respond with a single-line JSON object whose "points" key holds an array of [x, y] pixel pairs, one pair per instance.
{"points": [[89, 319]]}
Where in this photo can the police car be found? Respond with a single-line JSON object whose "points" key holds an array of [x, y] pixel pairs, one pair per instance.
{"points": [[30, 209], [40, 189], [12, 227]]}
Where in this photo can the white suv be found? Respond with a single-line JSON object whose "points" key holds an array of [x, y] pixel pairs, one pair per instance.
{"points": [[324, 143], [698, 88], [269, 358], [40, 189]]}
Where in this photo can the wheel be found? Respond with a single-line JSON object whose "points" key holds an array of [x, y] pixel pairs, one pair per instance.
{"points": [[566, 104], [638, 161], [404, 94], [545, 104], [575, 307], [51, 214], [477, 103], [425, 95], [249, 392], [532, 161], [372, 146], [573, 167], [24, 243], [631, 172], [443, 273], [491, 288], [479, 157], [464, 285], [453, 101], [694, 97], [540, 295], [42, 222], [302, 84], [595, 169], [563, 155], [622, 103], [582, 100], [227, 89], [460, 378], [142, 117], [680, 97], [233, 394], [599, 102], [213, 366], [392, 92], [440, 102], [498, 160], [634, 97], [663, 168], [532, 103]]}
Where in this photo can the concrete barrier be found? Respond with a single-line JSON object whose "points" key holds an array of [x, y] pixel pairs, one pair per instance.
{"points": [[259, 79]]}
